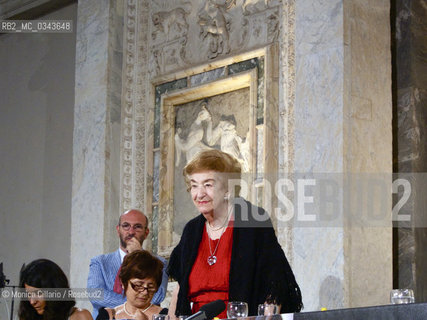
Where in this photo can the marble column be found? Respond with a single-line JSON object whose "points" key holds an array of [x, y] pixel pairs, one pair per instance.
{"points": [[368, 147], [342, 125], [95, 198]]}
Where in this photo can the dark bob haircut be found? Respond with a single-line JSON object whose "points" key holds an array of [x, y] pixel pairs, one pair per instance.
{"points": [[141, 264]]}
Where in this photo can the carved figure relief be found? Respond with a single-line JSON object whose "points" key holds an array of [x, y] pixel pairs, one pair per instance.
{"points": [[230, 141], [202, 136], [186, 32], [169, 35], [215, 26], [253, 6], [273, 27], [155, 61], [193, 143], [260, 22], [166, 21]]}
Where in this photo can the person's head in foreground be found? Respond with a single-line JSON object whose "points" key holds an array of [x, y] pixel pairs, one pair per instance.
{"points": [[41, 274], [141, 275]]}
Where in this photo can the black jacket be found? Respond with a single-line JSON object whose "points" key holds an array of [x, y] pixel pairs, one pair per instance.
{"points": [[259, 269]]}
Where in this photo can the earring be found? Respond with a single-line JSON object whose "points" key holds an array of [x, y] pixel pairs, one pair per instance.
{"points": [[226, 197]]}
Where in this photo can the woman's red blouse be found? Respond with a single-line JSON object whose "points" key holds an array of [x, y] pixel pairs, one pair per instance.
{"points": [[209, 283]]}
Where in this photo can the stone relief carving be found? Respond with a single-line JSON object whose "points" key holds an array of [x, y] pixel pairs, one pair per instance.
{"points": [[273, 26], [215, 25], [260, 23], [169, 36], [230, 141], [185, 33], [193, 143], [155, 61], [203, 136], [170, 24], [254, 6]]}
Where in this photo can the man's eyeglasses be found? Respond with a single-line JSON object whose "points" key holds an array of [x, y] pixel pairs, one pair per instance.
{"points": [[137, 227], [141, 288]]}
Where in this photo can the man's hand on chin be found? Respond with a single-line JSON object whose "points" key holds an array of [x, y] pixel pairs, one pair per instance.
{"points": [[133, 245]]}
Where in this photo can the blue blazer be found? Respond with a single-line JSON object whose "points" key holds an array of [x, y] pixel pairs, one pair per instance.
{"points": [[102, 273]]}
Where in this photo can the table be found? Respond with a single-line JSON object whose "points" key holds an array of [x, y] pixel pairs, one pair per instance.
{"points": [[412, 311]]}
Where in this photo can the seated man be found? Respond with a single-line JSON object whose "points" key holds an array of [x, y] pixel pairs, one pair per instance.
{"points": [[103, 270]]}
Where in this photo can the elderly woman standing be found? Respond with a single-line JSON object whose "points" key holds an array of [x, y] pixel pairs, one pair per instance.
{"points": [[225, 253]]}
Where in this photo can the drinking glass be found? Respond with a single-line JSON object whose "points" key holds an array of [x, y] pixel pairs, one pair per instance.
{"points": [[401, 296], [267, 309], [160, 317], [237, 309]]}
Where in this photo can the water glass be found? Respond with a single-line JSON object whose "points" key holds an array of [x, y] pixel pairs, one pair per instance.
{"points": [[160, 317], [402, 296], [267, 309], [237, 309]]}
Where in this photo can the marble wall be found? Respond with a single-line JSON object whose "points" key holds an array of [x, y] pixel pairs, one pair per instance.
{"points": [[319, 143], [341, 114], [97, 125], [367, 125]]}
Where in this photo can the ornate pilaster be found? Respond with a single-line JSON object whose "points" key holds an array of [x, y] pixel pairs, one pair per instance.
{"points": [[286, 110], [128, 106]]}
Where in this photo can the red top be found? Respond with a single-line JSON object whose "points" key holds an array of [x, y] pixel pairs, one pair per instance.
{"points": [[209, 283]]}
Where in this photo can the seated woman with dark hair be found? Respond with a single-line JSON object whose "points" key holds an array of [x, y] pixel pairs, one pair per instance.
{"points": [[140, 275], [43, 273]]}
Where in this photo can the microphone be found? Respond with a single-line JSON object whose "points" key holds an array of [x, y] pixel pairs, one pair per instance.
{"points": [[208, 311]]}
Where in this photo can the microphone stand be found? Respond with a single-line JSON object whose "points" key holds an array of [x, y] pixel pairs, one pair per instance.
{"points": [[3, 282], [12, 303]]}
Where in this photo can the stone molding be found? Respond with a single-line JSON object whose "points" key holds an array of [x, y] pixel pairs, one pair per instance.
{"points": [[128, 106], [286, 110]]}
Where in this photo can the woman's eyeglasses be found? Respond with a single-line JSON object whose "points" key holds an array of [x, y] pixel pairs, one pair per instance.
{"points": [[141, 288]]}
